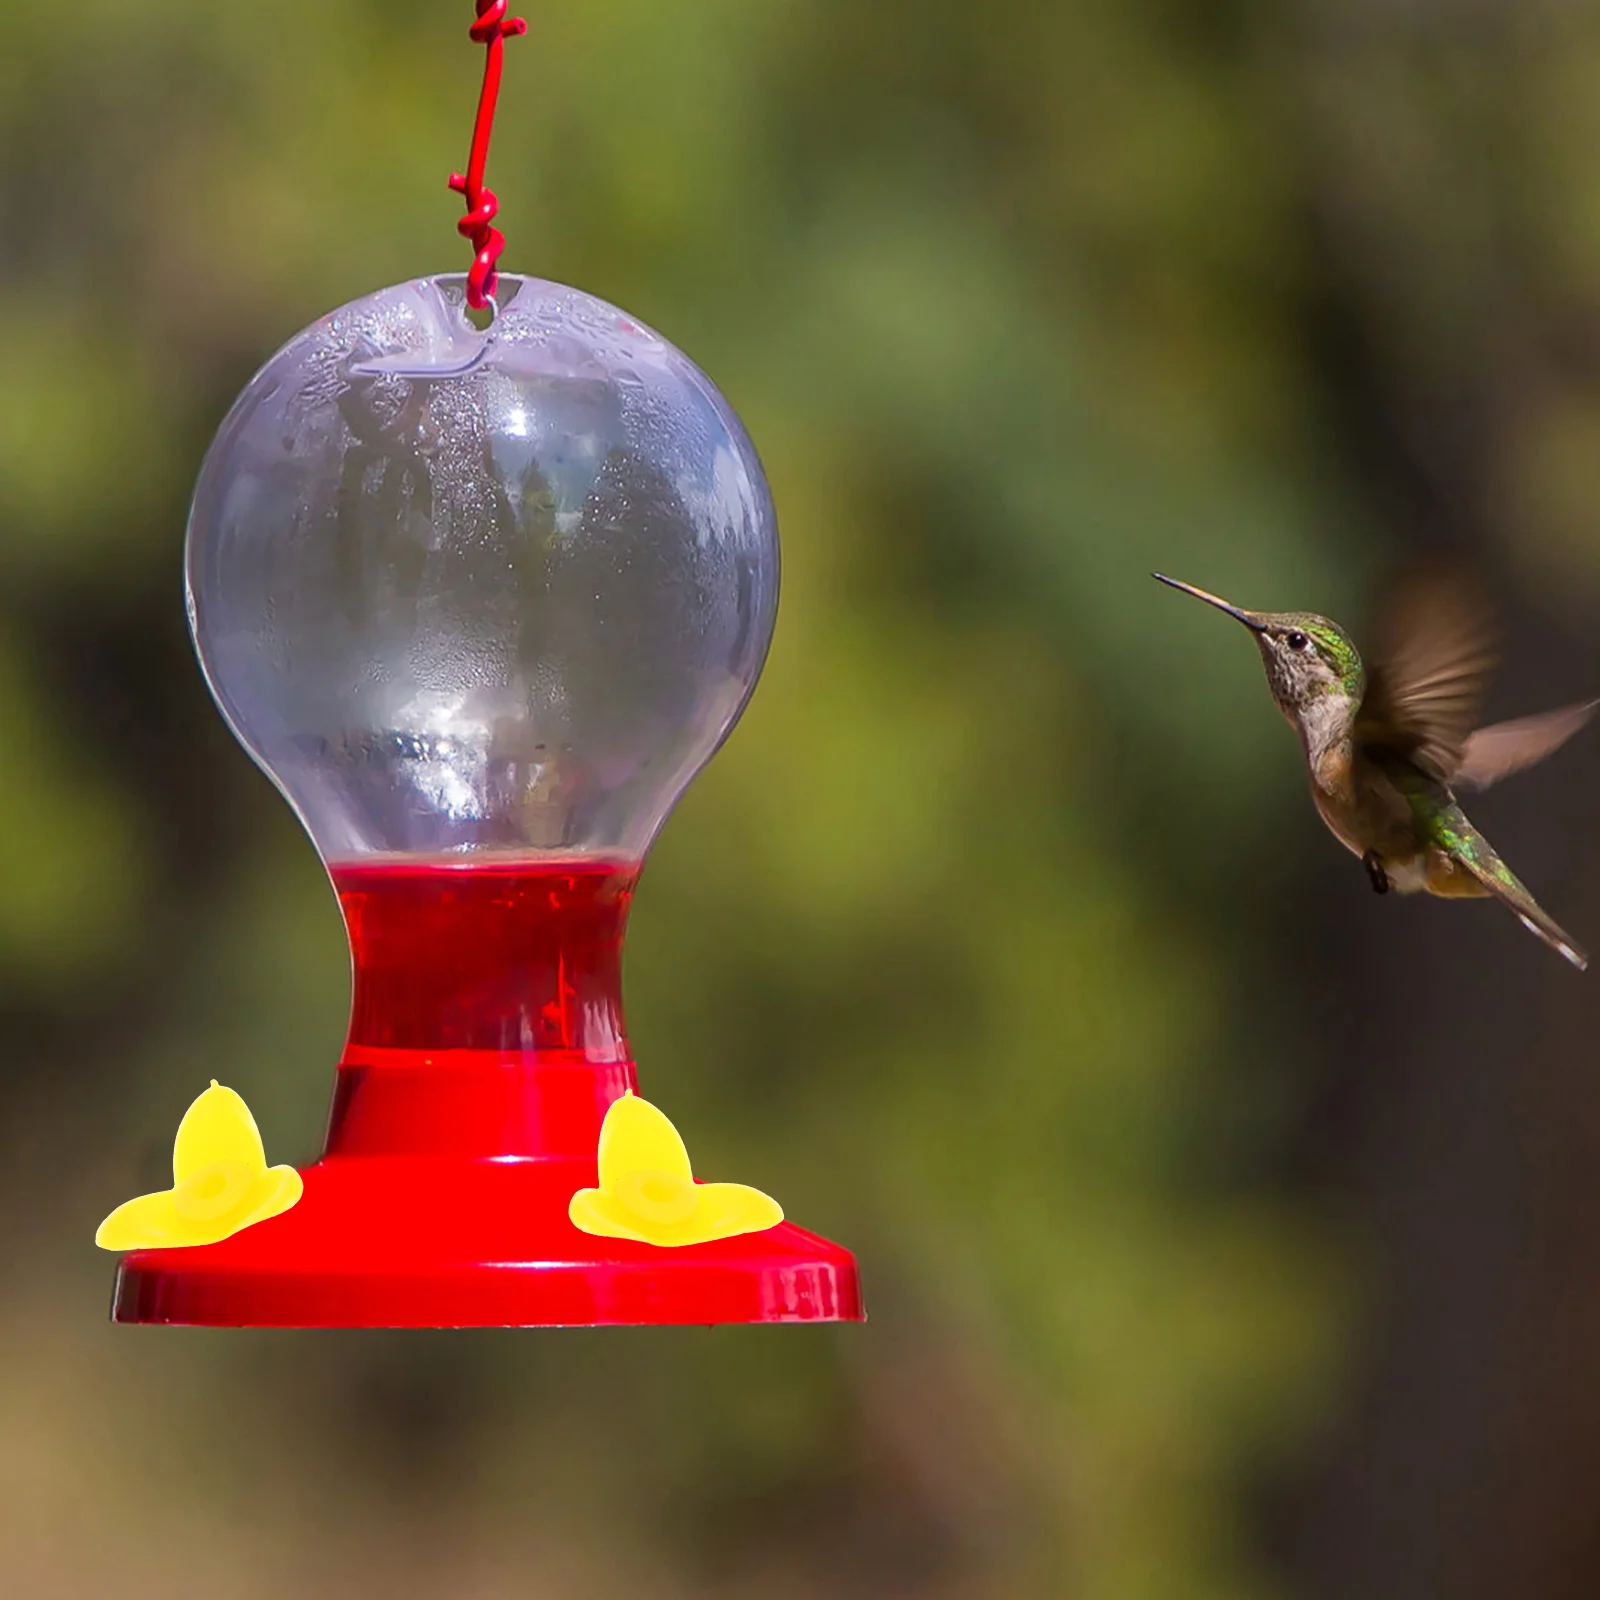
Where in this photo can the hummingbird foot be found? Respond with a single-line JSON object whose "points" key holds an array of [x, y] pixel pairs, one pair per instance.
{"points": [[1379, 878]]}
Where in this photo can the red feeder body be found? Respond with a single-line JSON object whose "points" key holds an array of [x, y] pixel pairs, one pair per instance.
{"points": [[486, 1043]]}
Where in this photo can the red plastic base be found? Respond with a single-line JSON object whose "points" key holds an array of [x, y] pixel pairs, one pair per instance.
{"points": [[485, 1047], [433, 1242]]}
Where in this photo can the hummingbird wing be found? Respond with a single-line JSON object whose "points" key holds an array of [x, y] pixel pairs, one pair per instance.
{"points": [[1445, 825], [1435, 652], [1493, 753]]}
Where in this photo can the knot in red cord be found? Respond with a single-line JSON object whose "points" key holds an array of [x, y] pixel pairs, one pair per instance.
{"points": [[491, 29], [492, 23]]}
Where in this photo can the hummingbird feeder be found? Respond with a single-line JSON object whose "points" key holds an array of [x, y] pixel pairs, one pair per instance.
{"points": [[482, 600]]}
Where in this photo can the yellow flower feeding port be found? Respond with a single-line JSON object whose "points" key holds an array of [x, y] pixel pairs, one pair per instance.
{"points": [[647, 1190], [221, 1183]]}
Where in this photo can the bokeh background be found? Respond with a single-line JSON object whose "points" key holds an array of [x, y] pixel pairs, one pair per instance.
{"points": [[1227, 1233]]}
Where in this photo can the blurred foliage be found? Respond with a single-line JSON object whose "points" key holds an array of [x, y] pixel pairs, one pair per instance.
{"points": [[949, 947]]}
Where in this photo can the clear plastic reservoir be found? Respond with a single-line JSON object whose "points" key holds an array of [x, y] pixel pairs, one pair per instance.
{"points": [[465, 591]]}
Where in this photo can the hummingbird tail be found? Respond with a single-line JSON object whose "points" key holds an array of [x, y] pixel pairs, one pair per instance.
{"points": [[1550, 931], [1468, 848]]}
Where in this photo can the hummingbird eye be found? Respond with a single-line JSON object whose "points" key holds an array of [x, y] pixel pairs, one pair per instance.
{"points": [[1296, 641]]}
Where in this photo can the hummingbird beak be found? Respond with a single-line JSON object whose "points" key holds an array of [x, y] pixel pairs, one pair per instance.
{"points": [[1248, 618]]}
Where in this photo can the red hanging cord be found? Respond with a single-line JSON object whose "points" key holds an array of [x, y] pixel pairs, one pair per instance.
{"points": [[492, 28]]}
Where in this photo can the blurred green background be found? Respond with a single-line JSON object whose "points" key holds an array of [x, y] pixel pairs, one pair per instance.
{"points": [[1227, 1233]]}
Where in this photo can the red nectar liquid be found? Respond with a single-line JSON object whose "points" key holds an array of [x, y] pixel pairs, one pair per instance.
{"points": [[525, 956], [490, 992]]}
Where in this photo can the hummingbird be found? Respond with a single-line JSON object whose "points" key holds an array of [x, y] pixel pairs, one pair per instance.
{"points": [[1387, 745]]}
